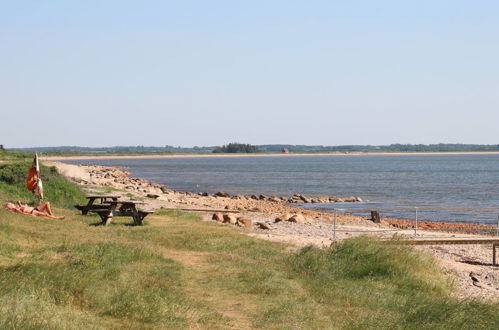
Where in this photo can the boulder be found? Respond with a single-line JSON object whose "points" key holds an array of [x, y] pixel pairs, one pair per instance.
{"points": [[263, 225], [218, 217], [222, 194], [305, 199], [245, 222], [152, 196], [230, 218], [297, 218], [284, 217]]}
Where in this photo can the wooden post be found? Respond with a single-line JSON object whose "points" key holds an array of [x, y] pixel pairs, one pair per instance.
{"points": [[375, 217], [494, 254]]}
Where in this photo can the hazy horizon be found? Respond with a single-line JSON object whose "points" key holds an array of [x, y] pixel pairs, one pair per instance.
{"points": [[124, 73]]}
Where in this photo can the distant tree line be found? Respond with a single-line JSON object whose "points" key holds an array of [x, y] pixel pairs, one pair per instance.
{"points": [[440, 147], [233, 148], [268, 148]]}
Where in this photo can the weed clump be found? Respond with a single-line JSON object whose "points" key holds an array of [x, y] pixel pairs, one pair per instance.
{"points": [[386, 286]]}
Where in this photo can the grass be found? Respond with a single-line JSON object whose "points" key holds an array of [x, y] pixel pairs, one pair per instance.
{"points": [[180, 272]]}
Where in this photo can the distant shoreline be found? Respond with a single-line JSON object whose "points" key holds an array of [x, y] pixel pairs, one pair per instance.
{"points": [[53, 158]]}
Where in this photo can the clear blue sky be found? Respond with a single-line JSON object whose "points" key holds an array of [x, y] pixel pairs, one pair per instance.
{"points": [[103, 73]]}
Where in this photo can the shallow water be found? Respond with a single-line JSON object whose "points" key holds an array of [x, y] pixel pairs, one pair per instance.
{"points": [[385, 181]]}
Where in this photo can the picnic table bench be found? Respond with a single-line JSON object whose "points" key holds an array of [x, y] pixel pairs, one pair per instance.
{"points": [[91, 206], [110, 206]]}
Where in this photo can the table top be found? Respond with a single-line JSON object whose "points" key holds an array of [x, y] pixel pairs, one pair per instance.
{"points": [[124, 202], [104, 196]]}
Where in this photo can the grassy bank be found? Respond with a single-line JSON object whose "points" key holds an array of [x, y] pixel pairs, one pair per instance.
{"points": [[180, 272]]}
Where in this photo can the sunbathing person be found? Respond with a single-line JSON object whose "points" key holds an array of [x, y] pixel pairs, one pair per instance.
{"points": [[42, 210]]}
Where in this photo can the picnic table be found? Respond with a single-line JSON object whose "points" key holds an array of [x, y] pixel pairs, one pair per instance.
{"points": [[121, 208], [91, 206]]}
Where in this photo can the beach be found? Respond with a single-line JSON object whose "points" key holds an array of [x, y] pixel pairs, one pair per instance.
{"points": [[314, 227]]}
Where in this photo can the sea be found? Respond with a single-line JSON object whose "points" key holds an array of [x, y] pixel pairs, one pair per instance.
{"points": [[453, 187]]}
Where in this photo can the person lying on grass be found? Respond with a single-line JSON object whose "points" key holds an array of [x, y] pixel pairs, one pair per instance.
{"points": [[42, 210]]}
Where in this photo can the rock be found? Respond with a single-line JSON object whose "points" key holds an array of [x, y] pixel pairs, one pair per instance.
{"points": [[245, 222], [152, 196], [222, 194], [474, 277], [323, 199], [297, 218], [218, 217], [263, 225], [284, 217], [263, 197], [205, 194], [306, 199], [275, 199], [255, 197], [230, 218]]}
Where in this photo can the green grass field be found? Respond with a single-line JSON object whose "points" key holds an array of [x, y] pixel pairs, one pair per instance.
{"points": [[180, 272]]}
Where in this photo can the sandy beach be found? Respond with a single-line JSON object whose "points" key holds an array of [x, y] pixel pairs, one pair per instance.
{"points": [[463, 262], [59, 158]]}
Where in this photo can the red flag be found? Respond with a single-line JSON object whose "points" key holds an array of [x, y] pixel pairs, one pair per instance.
{"points": [[34, 181]]}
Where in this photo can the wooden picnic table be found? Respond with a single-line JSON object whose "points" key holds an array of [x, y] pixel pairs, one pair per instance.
{"points": [[91, 199], [121, 208]]}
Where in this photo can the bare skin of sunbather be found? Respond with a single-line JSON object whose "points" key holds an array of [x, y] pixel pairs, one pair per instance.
{"points": [[42, 210]]}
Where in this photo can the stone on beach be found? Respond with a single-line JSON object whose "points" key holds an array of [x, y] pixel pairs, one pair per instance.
{"points": [[284, 217], [297, 218], [263, 225], [230, 218], [218, 217], [245, 222]]}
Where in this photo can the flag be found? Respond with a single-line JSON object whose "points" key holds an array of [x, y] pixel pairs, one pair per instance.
{"points": [[34, 182]]}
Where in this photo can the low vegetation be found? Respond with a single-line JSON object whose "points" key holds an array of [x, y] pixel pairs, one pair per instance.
{"points": [[180, 272]]}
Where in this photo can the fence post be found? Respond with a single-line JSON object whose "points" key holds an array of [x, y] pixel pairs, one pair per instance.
{"points": [[416, 226], [334, 225]]}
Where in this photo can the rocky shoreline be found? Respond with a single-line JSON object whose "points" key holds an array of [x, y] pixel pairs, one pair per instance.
{"points": [[279, 219]]}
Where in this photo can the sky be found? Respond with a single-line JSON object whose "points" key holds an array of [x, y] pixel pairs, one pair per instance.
{"points": [[186, 73]]}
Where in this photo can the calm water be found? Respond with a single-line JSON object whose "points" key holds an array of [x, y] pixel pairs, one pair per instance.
{"points": [[425, 181]]}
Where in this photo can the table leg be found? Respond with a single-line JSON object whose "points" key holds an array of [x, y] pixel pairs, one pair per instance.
{"points": [[107, 220], [89, 205], [137, 219]]}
